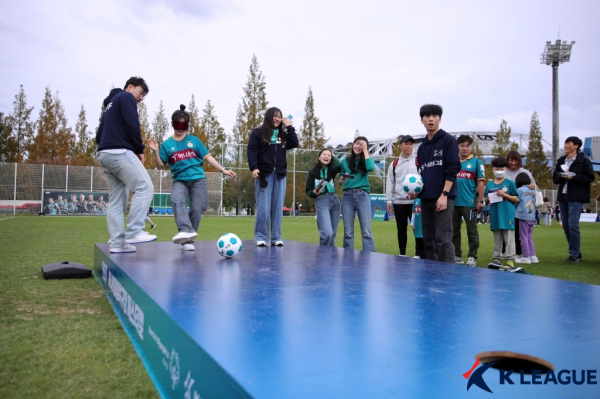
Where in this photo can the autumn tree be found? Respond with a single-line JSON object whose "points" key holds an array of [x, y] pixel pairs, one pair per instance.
{"points": [[502, 143], [7, 142], [312, 134], [214, 133], [537, 163], [22, 126], [84, 148], [160, 125], [195, 129], [146, 132], [53, 139], [251, 111]]}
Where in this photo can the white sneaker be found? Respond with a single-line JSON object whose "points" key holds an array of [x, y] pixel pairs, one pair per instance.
{"points": [[188, 246], [458, 260], [403, 256], [278, 243], [183, 237], [534, 259], [523, 260], [261, 244], [144, 236], [416, 257], [471, 261], [517, 257], [123, 249]]}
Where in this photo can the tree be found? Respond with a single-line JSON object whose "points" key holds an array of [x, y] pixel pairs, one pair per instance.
{"points": [[214, 134], [194, 128], [537, 163], [312, 134], [160, 125], [146, 132], [84, 148], [251, 111], [22, 126], [478, 153], [503, 144], [7, 141], [53, 141]]}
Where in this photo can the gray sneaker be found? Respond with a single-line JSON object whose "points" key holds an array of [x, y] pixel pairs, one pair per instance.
{"points": [[458, 260], [471, 262], [125, 248]]}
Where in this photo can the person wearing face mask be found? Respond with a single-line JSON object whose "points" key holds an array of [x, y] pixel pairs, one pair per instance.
{"points": [[356, 199], [186, 155], [502, 195], [267, 147], [320, 185]]}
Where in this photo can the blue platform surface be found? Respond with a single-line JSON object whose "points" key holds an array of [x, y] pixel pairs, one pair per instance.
{"points": [[308, 321]]}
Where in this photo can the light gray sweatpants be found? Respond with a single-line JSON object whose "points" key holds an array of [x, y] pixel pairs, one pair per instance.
{"points": [[507, 236]]}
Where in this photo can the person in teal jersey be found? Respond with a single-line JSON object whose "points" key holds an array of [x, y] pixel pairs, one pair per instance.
{"points": [[186, 154], [525, 214], [327, 203], [417, 227], [502, 195], [356, 200], [469, 200]]}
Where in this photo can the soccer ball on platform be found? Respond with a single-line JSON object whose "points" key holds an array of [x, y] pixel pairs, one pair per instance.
{"points": [[229, 245], [412, 184]]}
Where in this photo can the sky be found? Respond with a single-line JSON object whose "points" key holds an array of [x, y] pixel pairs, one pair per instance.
{"points": [[371, 65]]}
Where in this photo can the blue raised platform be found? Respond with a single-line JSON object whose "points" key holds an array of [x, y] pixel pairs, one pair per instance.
{"points": [[307, 321]]}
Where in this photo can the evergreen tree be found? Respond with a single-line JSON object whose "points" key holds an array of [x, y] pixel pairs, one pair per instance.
{"points": [[146, 131], [7, 142], [195, 129], [503, 144], [251, 111], [214, 133], [160, 125], [84, 148], [478, 153], [312, 134], [537, 163], [53, 141], [22, 126]]}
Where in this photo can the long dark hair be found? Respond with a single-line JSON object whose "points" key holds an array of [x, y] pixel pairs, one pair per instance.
{"points": [[316, 171], [362, 168], [266, 129]]}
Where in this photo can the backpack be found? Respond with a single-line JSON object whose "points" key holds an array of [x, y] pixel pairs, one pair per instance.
{"points": [[394, 164]]}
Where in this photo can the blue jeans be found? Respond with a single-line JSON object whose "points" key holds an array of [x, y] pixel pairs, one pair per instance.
{"points": [[357, 201], [269, 208], [328, 217], [196, 190], [125, 173], [570, 213]]}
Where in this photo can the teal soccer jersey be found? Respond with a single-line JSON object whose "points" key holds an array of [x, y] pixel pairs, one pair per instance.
{"points": [[417, 217], [502, 214], [471, 172], [185, 157]]}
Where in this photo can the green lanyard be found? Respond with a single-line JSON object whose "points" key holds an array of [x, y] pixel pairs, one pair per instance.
{"points": [[274, 136], [323, 176]]}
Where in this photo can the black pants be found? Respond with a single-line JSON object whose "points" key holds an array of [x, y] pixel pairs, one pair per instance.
{"points": [[437, 231], [419, 248], [403, 213]]}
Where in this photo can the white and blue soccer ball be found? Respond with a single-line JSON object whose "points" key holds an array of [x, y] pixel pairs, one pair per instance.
{"points": [[229, 245], [412, 183]]}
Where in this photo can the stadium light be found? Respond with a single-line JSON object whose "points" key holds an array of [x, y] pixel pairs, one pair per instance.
{"points": [[555, 54]]}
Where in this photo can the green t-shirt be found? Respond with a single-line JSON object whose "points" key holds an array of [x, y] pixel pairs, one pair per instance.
{"points": [[502, 214], [360, 180], [185, 157], [471, 172]]}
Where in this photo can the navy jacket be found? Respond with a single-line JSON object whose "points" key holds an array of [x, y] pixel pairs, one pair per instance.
{"points": [[578, 188], [267, 157], [438, 161], [120, 124]]}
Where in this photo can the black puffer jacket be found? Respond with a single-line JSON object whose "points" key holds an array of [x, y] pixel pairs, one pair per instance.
{"points": [[267, 157]]}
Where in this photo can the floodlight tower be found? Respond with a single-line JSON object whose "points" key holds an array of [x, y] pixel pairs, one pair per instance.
{"points": [[555, 54]]}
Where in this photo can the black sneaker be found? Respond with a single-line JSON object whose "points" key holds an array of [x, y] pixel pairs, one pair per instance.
{"points": [[580, 257], [572, 259]]}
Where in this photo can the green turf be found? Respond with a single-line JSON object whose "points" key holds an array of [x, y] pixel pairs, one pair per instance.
{"points": [[61, 338]]}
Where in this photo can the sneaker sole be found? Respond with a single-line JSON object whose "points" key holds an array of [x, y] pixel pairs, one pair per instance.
{"points": [[140, 241], [181, 240], [121, 251]]}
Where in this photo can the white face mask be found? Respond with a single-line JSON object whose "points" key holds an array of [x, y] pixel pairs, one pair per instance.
{"points": [[499, 173]]}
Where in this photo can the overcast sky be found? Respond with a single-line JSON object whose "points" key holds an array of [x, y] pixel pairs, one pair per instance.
{"points": [[371, 64]]}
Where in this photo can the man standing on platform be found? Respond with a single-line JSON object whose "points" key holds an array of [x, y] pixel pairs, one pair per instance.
{"points": [[438, 162], [469, 200], [121, 155], [573, 173], [398, 203]]}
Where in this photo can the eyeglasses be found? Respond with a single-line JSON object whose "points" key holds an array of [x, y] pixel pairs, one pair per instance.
{"points": [[142, 92]]}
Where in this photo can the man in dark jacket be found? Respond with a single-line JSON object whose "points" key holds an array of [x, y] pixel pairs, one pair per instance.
{"points": [[121, 155], [573, 174], [438, 163]]}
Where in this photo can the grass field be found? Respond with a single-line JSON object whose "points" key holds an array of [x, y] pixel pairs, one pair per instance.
{"points": [[62, 339]]}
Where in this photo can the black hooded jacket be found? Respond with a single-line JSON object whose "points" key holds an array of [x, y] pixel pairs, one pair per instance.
{"points": [[120, 124], [578, 188]]}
